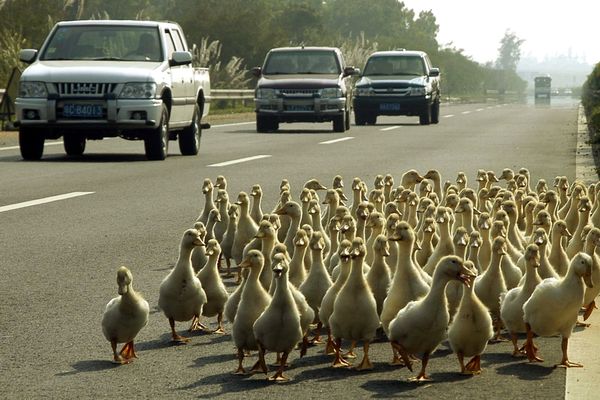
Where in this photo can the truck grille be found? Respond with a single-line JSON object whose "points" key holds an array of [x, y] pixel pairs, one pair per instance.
{"points": [[299, 92], [81, 89]]}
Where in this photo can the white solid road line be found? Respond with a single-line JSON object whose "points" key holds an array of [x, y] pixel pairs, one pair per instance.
{"points": [[43, 201], [466, 112], [389, 128], [233, 124], [17, 147], [239, 160], [448, 116], [337, 140]]}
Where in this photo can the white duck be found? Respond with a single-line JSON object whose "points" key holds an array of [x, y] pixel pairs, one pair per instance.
{"points": [[246, 228], [354, 314], [327, 303], [436, 178], [227, 242], [426, 250], [444, 246], [253, 301], [278, 327], [511, 308], [553, 306], [209, 204], [223, 207], [420, 327], [558, 256], [318, 281], [124, 317], [294, 212], [297, 271], [268, 238], [216, 293], [470, 330], [592, 242], [214, 217], [410, 179], [285, 222], [379, 276], [199, 257], [181, 296], [576, 243], [256, 212], [490, 285]]}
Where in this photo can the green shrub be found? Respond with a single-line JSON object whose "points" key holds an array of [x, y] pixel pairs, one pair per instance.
{"points": [[594, 120], [590, 97]]}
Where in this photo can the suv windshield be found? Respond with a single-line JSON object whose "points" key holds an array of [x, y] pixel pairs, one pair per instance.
{"points": [[126, 43], [395, 65], [301, 62]]}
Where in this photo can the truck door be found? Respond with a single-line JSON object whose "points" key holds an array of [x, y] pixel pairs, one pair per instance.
{"points": [[178, 84]]}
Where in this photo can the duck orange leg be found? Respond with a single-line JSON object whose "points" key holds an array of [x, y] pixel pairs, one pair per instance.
{"points": [[260, 365], [196, 325], [304, 346], [317, 338], [240, 370], [365, 364], [279, 376], [396, 360], [329, 347], [422, 376], [589, 309], [565, 360], [350, 353], [175, 338], [339, 361], [403, 354], [220, 329], [530, 348], [117, 359], [461, 361], [128, 352], [473, 367]]}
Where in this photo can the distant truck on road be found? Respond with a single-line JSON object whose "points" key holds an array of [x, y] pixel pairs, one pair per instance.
{"points": [[108, 78], [542, 86]]}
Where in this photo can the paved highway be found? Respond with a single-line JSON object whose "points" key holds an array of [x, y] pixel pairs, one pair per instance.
{"points": [[67, 224]]}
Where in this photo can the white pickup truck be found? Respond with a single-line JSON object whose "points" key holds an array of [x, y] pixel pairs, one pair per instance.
{"points": [[108, 78]]}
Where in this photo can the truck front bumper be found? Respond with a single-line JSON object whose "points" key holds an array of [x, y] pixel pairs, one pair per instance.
{"points": [[109, 114], [391, 105], [313, 109]]}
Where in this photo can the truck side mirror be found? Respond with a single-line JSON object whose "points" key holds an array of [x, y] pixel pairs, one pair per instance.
{"points": [[348, 71], [256, 72], [180, 58], [433, 72], [28, 55]]}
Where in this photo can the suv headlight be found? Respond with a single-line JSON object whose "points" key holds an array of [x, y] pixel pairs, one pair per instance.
{"points": [[266, 94], [138, 90], [331, 93], [364, 91], [417, 91], [32, 89]]}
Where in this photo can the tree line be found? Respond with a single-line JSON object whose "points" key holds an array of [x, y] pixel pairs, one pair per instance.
{"points": [[234, 35]]}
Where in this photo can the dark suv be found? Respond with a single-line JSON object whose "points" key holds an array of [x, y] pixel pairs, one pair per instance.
{"points": [[397, 82], [303, 84]]}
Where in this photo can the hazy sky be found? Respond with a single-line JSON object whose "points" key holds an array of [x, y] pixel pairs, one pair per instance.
{"points": [[549, 27]]}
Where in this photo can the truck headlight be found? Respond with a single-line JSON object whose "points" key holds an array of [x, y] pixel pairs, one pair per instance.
{"points": [[417, 91], [138, 90], [32, 89], [266, 94], [332, 93], [364, 91]]}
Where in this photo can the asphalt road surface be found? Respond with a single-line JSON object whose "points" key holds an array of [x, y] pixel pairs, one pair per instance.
{"points": [[59, 258]]}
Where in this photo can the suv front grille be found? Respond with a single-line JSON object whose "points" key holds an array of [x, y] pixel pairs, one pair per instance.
{"points": [[81, 89], [299, 92]]}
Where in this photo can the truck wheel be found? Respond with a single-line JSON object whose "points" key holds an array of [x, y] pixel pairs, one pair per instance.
{"points": [[359, 118], [372, 119], [189, 138], [157, 141], [31, 143], [74, 144], [435, 112], [339, 123], [425, 117], [347, 119], [265, 124]]}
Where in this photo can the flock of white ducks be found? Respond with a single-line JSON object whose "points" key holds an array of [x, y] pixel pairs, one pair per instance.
{"points": [[420, 263]]}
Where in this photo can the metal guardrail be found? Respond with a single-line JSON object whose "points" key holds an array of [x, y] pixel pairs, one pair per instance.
{"points": [[232, 94]]}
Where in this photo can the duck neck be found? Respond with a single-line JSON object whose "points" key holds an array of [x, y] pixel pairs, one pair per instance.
{"points": [[209, 203], [356, 277], [184, 262], [532, 278], [437, 292], [360, 228], [589, 248]]}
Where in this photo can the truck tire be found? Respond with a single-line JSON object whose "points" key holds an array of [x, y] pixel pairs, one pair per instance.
{"points": [[339, 123], [347, 120], [265, 123], [74, 144], [31, 143], [359, 118], [435, 112], [425, 116], [372, 119], [189, 138], [156, 143]]}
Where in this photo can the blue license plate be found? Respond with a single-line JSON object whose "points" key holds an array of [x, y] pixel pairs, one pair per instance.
{"points": [[389, 107], [82, 111], [293, 107]]}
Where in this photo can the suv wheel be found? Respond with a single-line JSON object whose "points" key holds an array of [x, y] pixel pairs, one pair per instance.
{"points": [[74, 144], [31, 143], [425, 117], [372, 119], [189, 138], [339, 123], [266, 124], [157, 141], [359, 119], [347, 119], [435, 112]]}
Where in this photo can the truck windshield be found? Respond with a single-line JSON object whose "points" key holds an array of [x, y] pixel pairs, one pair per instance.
{"points": [[104, 42], [395, 65], [543, 81], [302, 62]]}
